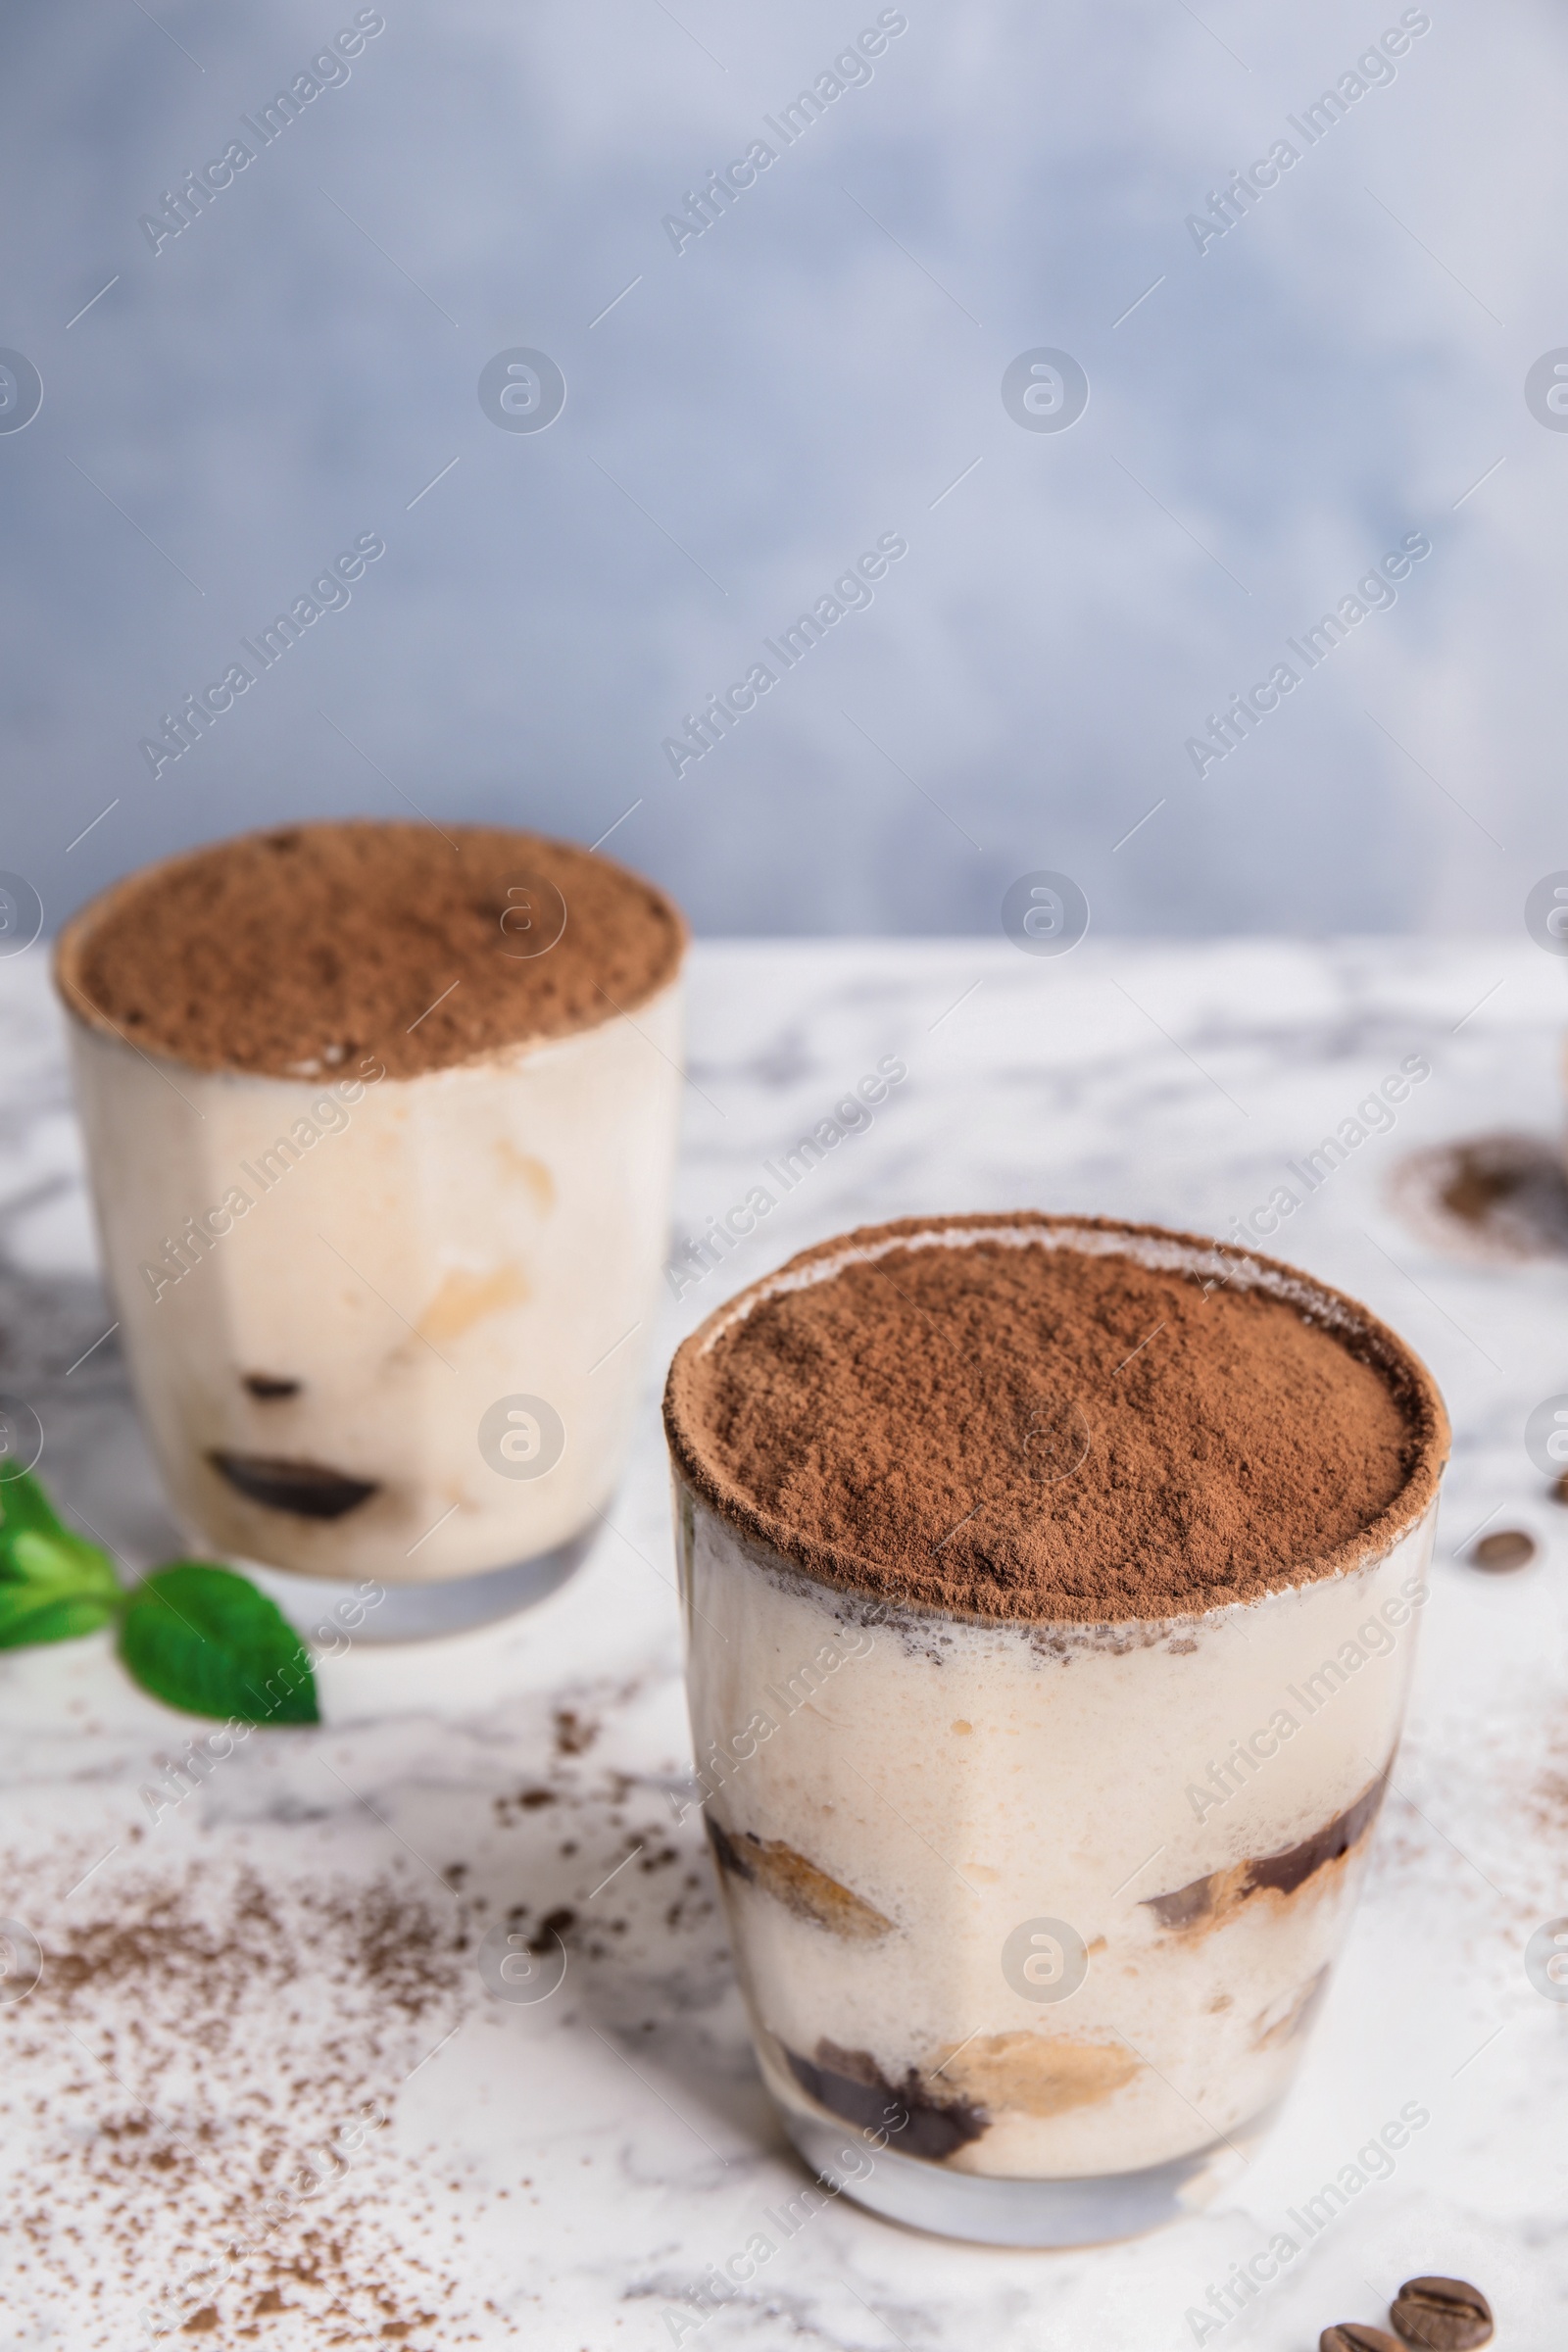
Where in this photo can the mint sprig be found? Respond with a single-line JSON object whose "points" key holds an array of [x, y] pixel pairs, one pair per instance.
{"points": [[54, 1586], [200, 1638]]}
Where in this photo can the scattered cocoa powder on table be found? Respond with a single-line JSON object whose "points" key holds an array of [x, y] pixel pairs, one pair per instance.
{"points": [[1037, 1432], [203, 2082]]}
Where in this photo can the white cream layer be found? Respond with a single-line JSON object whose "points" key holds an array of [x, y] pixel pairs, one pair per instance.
{"points": [[964, 1781], [444, 1242]]}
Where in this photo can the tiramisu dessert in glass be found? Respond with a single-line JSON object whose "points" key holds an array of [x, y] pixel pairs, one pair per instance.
{"points": [[381, 1123], [1050, 1590]]}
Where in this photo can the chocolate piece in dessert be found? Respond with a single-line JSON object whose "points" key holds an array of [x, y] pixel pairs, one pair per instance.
{"points": [[309, 1489], [1208, 1900], [850, 2083]]}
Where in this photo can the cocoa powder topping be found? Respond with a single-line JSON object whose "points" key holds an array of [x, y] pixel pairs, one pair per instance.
{"points": [[1019, 1427], [293, 953]]}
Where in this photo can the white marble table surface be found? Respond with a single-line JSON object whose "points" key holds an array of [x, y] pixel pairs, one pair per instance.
{"points": [[564, 2172]]}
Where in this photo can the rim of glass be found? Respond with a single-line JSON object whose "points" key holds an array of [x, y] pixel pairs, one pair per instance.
{"points": [[76, 932], [1161, 1247]]}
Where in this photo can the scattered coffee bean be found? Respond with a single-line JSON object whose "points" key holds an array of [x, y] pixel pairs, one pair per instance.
{"points": [[1559, 1493], [1352, 2336], [1443, 2315], [1509, 1548]]}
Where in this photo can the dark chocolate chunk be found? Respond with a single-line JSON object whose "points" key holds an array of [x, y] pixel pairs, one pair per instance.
{"points": [[1443, 2315], [726, 1852], [1209, 1901], [269, 1388], [309, 1490], [851, 2083], [1187, 1906], [1291, 1869]]}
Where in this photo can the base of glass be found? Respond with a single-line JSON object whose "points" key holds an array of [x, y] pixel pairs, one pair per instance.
{"points": [[453, 1604], [992, 2212]]}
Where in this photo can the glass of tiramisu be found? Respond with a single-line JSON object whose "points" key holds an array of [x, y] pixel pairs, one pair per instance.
{"points": [[1050, 1590], [381, 1124]]}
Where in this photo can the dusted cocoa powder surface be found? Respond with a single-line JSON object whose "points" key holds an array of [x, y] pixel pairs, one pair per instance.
{"points": [[295, 952], [1040, 1432]]}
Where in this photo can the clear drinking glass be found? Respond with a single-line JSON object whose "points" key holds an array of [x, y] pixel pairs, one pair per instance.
{"points": [[389, 1328], [1032, 1918]]}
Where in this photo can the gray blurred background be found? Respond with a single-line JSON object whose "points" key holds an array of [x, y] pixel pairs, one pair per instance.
{"points": [[746, 415]]}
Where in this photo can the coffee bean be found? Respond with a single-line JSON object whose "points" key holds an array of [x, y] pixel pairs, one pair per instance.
{"points": [[1443, 2315], [1509, 1548], [1352, 2336]]}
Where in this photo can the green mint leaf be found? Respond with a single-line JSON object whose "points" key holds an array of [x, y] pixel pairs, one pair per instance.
{"points": [[28, 1615], [61, 1566], [43, 1562], [25, 1504], [205, 1640]]}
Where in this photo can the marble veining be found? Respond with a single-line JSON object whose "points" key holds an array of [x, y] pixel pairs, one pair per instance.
{"points": [[508, 1771]]}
